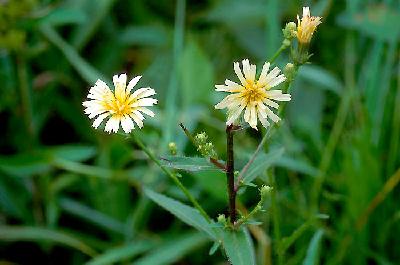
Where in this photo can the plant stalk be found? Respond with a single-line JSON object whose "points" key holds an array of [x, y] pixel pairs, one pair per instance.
{"points": [[173, 177], [230, 173]]}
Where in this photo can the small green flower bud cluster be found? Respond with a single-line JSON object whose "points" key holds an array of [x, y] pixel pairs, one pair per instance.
{"points": [[205, 148], [172, 148], [222, 219], [289, 32], [265, 190]]}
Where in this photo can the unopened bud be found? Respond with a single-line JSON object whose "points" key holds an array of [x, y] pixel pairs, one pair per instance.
{"points": [[289, 32], [201, 138], [221, 219], [172, 148], [289, 71], [264, 191]]}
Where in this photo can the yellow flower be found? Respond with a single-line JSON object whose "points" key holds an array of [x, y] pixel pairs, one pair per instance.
{"points": [[253, 96], [120, 106], [306, 26]]}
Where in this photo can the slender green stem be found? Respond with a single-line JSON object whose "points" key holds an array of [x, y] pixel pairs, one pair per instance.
{"points": [[211, 159], [172, 176], [261, 144], [338, 126], [395, 132], [278, 52], [275, 218], [171, 103], [26, 101], [230, 173]]}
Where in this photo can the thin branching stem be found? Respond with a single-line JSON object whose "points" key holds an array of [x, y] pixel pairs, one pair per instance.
{"points": [[213, 160], [173, 177]]}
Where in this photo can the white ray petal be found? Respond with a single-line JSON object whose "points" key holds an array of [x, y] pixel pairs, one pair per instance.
{"points": [[127, 124], [112, 125], [236, 68], [132, 83], [146, 111], [272, 115], [137, 120], [99, 119], [277, 80], [234, 114]]}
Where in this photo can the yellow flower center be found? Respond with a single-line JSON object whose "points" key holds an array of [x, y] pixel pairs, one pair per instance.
{"points": [[253, 92], [118, 106]]}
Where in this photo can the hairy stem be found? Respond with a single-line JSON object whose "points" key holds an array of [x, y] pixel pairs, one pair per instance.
{"points": [[173, 177], [230, 174]]}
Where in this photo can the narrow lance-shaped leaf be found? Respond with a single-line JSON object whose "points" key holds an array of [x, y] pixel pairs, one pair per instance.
{"points": [[37, 234], [239, 247], [312, 256], [186, 213], [188, 163]]}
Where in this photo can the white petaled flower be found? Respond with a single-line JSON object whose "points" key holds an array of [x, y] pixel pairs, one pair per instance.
{"points": [[306, 26], [254, 97], [121, 106]]}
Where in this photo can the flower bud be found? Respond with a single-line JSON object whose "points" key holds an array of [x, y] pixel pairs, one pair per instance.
{"points": [[221, 219], [289, 71], [172, 148], [289, 32], [264, 191]]}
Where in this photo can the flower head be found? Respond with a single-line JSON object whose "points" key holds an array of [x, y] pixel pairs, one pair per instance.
{"points": [[119, 106], [306, 26], [252, 96]]}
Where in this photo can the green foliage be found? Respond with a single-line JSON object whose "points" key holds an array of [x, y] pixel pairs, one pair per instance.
{"points": [[69, 190]]}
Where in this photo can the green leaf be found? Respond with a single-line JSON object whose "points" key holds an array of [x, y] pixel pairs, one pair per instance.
{"points": [[377, 21], [321, 78], [312, 256], [296, 165], [187, 214], [37, 234], [64, 16], [214, 248], [173, 249], [24, 165], [96, 10], [288, 241], [239, 247], [75, 153], [87, 71], [261, 163], [121, 253], [91, 215], [195, 61], [144, 35], [188, 163], [237, 12]]}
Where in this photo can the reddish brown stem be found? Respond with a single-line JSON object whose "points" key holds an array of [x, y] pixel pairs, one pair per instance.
{"points": [[230, 173]]}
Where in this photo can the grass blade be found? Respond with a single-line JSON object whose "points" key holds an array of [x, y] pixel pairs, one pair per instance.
{"points": [[37, 234]]}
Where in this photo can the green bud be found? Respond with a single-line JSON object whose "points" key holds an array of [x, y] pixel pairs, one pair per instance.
{"points": [[201, 138], [172, 148], [289, 71], [264, 191], [205, 148], [289, 32], [221, 219]]}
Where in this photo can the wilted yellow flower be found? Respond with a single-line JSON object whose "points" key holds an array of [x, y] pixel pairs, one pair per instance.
{"points": [[253, 96], [306, 26], [121, 106]]}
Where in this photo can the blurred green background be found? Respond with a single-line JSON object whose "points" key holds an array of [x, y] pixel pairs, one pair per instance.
{"points": [[70, 194]]}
